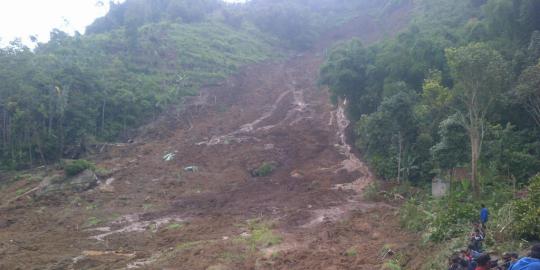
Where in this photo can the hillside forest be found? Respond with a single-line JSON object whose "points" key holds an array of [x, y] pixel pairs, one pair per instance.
{"points": [[458, 91]]}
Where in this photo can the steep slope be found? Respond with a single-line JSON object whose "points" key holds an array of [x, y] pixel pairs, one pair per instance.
{"points": [[204, 209]]}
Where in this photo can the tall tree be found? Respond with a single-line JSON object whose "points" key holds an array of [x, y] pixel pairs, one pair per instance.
{"points": [[480, 75], [528, 91], [346, 73]]}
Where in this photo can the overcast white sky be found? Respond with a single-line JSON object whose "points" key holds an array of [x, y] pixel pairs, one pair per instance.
{"points": [[22, 18]]}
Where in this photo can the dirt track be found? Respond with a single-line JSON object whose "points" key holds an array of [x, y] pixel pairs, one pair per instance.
{"points": [[158, 216]]}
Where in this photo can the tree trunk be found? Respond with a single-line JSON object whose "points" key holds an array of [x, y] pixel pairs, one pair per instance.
{"points": [[62, 137], [36, 138], [103, 118], [532, 105], [29, 142], [475, 154], [51, 116], [400, 146], [40, 149], [4, 128]]}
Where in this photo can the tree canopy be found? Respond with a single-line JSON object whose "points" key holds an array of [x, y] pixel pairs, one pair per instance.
{"points": [[464, 76]]}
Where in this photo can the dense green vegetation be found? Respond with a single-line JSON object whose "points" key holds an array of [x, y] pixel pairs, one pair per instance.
{"points": [[77, 166], [76, 90], [458, 89], [132, 64]]}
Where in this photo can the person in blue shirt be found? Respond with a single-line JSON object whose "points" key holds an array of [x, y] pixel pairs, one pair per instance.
{"points": [[532, 262], [484, 215]]}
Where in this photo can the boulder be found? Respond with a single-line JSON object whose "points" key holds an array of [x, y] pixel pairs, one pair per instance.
{"points": [[79, 183]]}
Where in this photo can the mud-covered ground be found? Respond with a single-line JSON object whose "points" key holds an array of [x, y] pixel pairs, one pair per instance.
{"points": [[149, 213]]}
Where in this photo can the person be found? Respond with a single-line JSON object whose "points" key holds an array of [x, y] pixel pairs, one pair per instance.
{"points": [[484, 215], [473, 252], [470, 256], [532, 262], [509, 258], [457, 263], [476, 240], [478, 226], [483, 262]]}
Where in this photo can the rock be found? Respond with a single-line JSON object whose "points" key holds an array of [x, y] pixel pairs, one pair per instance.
{"points": [[107, 187], [375, 236], [80, 183], [297, 174], [169, 156], [191, 169], [268, 146]]}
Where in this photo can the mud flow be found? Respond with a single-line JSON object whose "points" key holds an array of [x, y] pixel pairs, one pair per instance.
{"points": [[254, 173]]}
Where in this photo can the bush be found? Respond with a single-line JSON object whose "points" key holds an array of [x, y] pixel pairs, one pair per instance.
{"points": [[77, 166], [439, 219], [527, 212], [413, 216], [264, 170]]}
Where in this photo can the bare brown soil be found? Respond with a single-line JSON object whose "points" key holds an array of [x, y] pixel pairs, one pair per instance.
{"points": [[152, 214]]}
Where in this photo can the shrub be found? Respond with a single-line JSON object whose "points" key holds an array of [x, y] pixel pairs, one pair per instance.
{"points": [[527, 212], [452, 219], [77, 166], [351, 252], [261, 235], [413, 216], [264, 170], [439, 219], [391, 265]]}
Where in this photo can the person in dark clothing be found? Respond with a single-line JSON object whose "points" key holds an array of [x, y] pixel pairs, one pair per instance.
{"points": [[476, 240], [532, 262], [483, 262], [470, 256], [457, 263], [473, 251], [484, 216]]}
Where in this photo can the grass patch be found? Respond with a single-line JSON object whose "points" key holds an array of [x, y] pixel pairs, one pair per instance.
{"points": [[91, 207], [102, 172], [232, 257], [175, 226], [391, 265], [261, 235], [77, 166], [189, 245], [21, 191], [351, 252], [264, 170], [92, 221]]}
